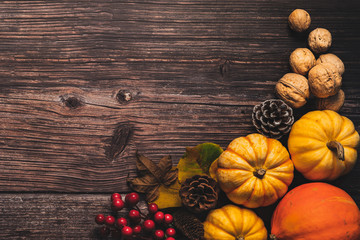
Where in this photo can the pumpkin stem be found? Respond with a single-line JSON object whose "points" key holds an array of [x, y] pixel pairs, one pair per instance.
{"points": [[240, 238], [272, 237], [336, 147], [260, 173]]}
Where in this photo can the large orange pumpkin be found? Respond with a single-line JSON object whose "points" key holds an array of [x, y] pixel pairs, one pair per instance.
{"points": [[316, 211]]}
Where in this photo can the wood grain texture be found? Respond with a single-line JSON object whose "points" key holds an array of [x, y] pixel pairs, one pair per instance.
{"points": [[194, 71], [52, 216], [84, 84], [65, 216]]}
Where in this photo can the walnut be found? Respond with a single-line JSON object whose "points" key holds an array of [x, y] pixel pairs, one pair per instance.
{"points": [[319, 40], [331, 103], [299, 20], [324, 80], [302, 60], [333, 59], [293, 89]]}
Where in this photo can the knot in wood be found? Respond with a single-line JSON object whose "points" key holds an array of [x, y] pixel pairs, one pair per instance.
{"points": [[123, 96], [72, 102]]}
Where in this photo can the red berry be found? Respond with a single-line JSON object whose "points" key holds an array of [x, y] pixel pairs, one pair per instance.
{"points": [[153, 208], [100, 219], [159, 217], [117, 204], [149, 225], [104, 231], [137, 229], [170, 232], [168, 218], [127, 231], [132, 199], [121, 222], [170, 238], [109, 220], [115, 195], [134, 216], [159, 234]]}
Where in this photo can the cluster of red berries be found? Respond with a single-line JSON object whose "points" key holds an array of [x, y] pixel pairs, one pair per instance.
{"points": [[136, 225]]}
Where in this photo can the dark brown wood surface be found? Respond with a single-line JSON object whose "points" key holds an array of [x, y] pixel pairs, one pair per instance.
{"points": [[84, 84]]}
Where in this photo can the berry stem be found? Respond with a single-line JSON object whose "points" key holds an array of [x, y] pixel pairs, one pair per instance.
{"points": [[141, 214]]}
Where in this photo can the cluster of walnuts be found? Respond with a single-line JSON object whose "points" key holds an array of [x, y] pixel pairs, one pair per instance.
{"points": [[322, 77]]}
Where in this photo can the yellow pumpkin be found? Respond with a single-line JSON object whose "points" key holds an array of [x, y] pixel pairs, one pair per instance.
{"points": [[254, 170], [322, 145], [234, 223]]}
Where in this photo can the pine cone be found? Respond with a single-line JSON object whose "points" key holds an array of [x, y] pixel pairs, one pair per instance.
{"points": [[273, 118], [199, 193], [190, 226]]}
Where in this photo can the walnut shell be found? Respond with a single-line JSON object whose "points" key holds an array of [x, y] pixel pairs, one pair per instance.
{"points": [[324, 80], [293, 89], [333, 59], [331, 103], [320, 40], [302, 60], [299, 20]]}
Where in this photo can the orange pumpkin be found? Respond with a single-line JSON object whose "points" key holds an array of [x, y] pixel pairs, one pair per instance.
{"points": [[316, 211], [234, 223], [322, 145], [254, 171]]}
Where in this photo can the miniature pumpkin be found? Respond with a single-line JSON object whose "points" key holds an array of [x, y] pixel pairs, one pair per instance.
{"points": [[322, 145], [234, 223], [254, 170], [316, 211]]}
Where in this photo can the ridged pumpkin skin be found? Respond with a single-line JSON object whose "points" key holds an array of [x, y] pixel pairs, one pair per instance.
{"points": [[309, 148], [316, 211], [234, 223], [254, 170]]}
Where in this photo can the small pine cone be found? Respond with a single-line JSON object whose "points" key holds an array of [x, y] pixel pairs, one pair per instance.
{"points": [[199, 193], [188, 224], [273, 118]]}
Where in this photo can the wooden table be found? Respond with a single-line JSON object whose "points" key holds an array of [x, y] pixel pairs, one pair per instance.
{"points": [[84, 84]]}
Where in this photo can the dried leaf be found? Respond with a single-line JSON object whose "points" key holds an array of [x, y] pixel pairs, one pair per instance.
{"points": [[153, 194], [169, 178], [197, 160], [165, 163], [149, 167], [152, 176]]}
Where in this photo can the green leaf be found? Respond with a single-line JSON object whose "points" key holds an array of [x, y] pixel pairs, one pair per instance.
{"points": [[197, 160]]}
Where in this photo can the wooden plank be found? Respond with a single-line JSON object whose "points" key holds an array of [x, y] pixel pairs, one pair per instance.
{"points": [[194, 71], [64, 216], [52, 216]]}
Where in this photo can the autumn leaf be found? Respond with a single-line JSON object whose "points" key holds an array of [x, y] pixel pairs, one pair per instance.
{"points": [[161, 182], [197, 160], [169, 196], [153, 176]]}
